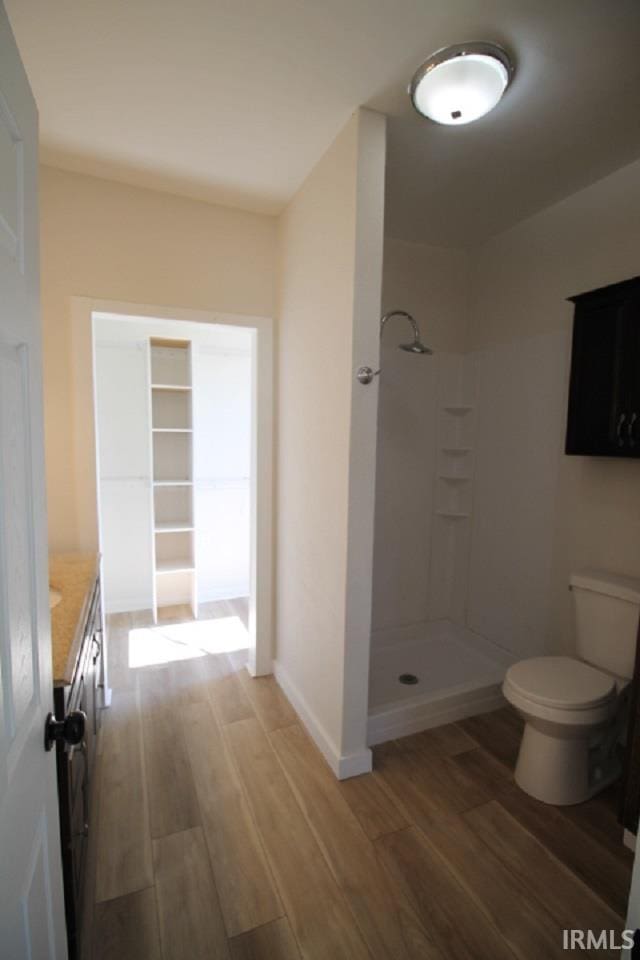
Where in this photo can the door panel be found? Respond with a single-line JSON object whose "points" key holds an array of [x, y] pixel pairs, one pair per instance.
{"points": [[11, 184], [15, 471], [37, 915], [31, 908]]}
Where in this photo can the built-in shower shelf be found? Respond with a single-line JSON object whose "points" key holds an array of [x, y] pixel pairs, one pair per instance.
{"points": [[452, 514], [457, 451], [457, 408], [452, 478]]}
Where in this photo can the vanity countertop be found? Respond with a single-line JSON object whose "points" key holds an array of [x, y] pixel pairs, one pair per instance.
{"points": [[73, 575]]}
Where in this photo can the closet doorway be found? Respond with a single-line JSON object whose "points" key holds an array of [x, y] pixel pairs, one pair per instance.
{"points": [[182, 466]]}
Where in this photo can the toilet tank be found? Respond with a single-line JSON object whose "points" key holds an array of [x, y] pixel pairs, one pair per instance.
{"points": [[607, 608]]}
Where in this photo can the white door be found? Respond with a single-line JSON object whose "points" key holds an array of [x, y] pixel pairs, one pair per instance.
{"points": [[31, 903]]}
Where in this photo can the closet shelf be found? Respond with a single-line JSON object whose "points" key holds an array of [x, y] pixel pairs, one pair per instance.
{"points": [[173, 483], [452, 514], [172, 430], [172, 437], [457, 408], [174, 566], [170, 386], [176, 526]]}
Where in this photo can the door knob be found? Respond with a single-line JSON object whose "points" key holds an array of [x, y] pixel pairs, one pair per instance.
{"points": [[70, 730]]}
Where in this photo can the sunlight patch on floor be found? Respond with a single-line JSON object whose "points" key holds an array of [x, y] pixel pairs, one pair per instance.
{"points": [[149, 646]]}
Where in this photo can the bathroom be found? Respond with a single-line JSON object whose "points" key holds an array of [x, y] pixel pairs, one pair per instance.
{"points": [[399, 736], [481, 518]]}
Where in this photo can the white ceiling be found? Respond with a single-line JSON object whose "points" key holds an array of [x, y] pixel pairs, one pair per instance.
{"points": [[233, 101]]}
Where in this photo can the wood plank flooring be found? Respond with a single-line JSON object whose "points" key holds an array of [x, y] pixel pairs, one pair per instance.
{"points": [[189, 914], [221, 832]]}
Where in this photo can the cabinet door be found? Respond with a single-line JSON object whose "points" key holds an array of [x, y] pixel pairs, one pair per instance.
{"points": [[90, 706], [604, 391], [596, 380], [629, 414]]}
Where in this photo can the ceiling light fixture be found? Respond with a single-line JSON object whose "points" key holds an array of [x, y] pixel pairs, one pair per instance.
{"points": [[459, 84]]}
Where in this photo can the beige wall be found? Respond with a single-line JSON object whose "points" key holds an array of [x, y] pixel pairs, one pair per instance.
{"points": [[107, 241], [521, 281], [329, 301]]}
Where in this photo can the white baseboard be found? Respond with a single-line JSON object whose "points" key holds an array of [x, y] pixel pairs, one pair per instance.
{"points": [[343, 765], [353, 764], [402, 719]]}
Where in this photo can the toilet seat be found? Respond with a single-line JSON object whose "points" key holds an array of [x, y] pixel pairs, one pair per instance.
{"points": [[560, 683]]}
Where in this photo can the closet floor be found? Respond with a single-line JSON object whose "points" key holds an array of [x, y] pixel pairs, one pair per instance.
{"points": [[221, 833]]}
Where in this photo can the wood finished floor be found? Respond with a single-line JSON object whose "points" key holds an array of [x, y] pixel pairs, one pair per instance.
{"points": [[221, 833]]}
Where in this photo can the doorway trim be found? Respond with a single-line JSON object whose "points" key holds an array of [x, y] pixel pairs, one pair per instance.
{"points": [[261, 482]]}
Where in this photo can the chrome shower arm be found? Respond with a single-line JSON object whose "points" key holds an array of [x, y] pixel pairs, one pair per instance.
{"points": [[366, 375], [400, 313]]}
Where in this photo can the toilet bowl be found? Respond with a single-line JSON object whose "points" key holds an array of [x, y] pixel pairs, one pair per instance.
{"points": [[572, 713], [575, 708]]}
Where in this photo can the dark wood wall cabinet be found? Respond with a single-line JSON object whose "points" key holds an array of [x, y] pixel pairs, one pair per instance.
{"points": [[604, 394], [81, 690]]}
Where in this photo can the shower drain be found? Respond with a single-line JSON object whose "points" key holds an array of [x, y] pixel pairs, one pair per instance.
{"points": [[408, 678]]}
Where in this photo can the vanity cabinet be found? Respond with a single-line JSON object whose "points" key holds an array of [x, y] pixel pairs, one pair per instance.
{"points": [[81, 689], [604, 394]]}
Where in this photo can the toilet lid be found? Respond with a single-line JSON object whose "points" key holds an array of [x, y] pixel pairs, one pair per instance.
{"points": [[560, 682]]}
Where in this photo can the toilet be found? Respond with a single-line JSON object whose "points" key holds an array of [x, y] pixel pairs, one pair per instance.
{"points": [[575, 708]]}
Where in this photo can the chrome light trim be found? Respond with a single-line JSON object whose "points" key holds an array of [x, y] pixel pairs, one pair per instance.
{"points": [[460, 50]]}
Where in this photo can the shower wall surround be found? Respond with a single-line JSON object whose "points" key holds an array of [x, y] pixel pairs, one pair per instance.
{"points": [[500, 323], [468, 467], [432, 283], [454, 460]]}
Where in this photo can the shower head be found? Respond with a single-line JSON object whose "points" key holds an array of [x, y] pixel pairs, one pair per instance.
{"points": [[365, 375], [416, 345]]}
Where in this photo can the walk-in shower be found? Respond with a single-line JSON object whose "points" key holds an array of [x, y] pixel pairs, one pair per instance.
{"points": [[366, 374], [430, 662]]}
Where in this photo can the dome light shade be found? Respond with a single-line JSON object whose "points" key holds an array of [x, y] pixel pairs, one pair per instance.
{"points": [[460, 84]]}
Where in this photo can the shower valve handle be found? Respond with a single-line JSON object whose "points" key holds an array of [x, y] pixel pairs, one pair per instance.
{"points": [[365, 375]]}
